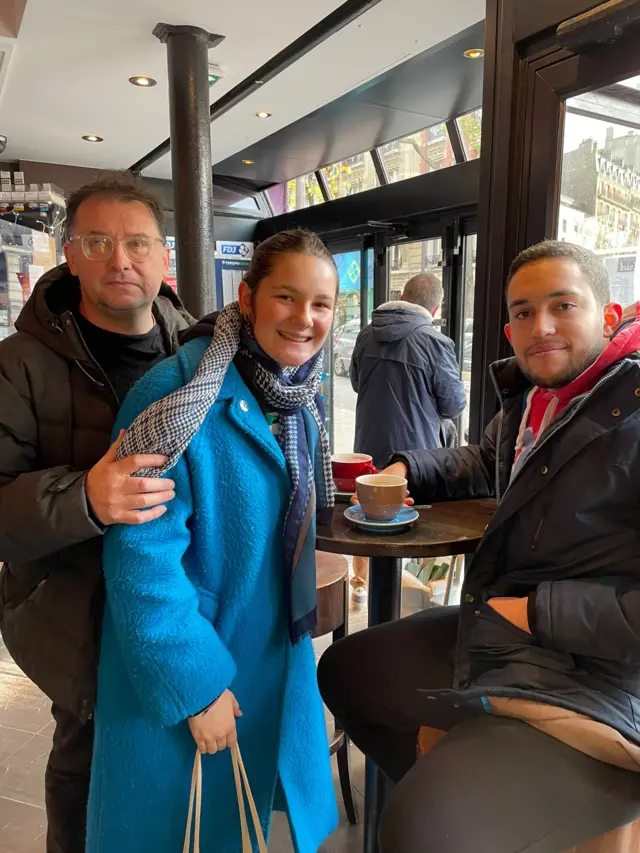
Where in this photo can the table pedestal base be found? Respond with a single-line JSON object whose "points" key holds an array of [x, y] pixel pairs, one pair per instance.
{"points": [[385, 605]]}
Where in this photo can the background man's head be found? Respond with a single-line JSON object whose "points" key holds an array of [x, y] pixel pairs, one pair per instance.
{"points": [[560, 314], [425, 290], [116, 246]]}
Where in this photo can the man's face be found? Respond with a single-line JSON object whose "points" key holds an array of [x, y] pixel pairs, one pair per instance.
{"points": [[117, 285], [556, 327]]}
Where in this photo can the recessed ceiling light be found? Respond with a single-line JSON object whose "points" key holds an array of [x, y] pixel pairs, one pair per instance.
{"points": [[143, 82], [474, 53], [263, 114], [248, 162], [90, 137]]}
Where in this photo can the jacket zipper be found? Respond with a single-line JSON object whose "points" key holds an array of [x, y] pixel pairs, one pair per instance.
{"points": [[106, 384], [561, 423], [498, 435]]}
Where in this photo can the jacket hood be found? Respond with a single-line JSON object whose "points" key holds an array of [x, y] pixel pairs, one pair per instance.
{"points": [[510, 380], [394, 321], [57, 294], [203, 328]]}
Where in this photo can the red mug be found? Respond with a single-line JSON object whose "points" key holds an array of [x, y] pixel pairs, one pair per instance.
{"points": [[347, 467]]}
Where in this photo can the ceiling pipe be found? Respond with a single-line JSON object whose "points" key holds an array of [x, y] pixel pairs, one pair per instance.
{"points": [[320, 32]]}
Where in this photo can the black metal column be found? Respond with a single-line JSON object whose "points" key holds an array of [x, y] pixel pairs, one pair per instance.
{"points": [[385, 605], [188, 61], [380, 269]]}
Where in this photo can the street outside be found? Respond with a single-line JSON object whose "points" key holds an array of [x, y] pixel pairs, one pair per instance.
{"points": [[344, 412]]}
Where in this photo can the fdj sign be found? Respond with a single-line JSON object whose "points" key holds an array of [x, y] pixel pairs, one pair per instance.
{"points": [[234, 250]]}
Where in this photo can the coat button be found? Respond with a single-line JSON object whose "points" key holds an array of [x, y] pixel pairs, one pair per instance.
{"points": [[616, 413], [476, 613], [469, 598], [637, 392], [545, 470], [244, 406]]}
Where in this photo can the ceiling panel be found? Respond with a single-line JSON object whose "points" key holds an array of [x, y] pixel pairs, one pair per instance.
{"points": [[71, 63], [430, 88]]}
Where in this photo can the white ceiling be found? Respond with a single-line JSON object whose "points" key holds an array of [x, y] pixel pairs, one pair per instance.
{"points": [[69, 71]]}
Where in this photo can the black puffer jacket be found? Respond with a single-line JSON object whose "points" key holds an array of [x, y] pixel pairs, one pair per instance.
{"points": [[566, 533], [56, 416]]}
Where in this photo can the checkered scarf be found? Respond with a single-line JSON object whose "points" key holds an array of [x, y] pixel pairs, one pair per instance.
{"points": [[168, 425]]}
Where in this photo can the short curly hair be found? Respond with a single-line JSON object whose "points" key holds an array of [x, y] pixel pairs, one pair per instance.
{"points": [[590, 264], [120, 186]]}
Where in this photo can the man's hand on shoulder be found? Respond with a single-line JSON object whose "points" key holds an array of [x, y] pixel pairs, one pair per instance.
{"points": [[117, 497]]}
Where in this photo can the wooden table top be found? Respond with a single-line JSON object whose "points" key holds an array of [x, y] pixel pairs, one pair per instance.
{"points": [[443, 529]]}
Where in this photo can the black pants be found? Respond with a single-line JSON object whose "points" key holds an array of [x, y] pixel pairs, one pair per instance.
{"points": [[67, 783], [492, 784]]}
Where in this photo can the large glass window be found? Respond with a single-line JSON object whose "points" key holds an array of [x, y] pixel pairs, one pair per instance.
{"points": [[350, 176], [466, 344], [369, 260], [470, 126], [422, 152], [600, 191], [296, 194], [346, 330], [409, 259]]}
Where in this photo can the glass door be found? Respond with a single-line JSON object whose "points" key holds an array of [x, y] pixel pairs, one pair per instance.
{"points": [[407, 260], [353, 285], [599, 206], [465, 337]]}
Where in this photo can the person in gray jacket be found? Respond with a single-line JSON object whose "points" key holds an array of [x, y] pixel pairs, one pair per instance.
{"points": [[90, 330], [407, 378]]}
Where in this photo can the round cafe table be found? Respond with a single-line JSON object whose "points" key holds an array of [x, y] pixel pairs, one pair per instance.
{"points": [[443, 529]]}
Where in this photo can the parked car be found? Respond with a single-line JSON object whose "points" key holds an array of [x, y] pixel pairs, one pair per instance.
{"points": [[344, 340]]}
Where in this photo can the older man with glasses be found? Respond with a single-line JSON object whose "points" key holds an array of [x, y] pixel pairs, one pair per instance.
{"points": [[90, 330]]}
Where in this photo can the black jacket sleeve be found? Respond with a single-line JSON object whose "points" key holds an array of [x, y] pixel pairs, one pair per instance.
{"points": [[355, 359], [41, 511], [593, 618], [451, 475]]}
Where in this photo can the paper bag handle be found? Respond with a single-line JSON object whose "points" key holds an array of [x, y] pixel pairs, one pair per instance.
{"points": [[195, 806]]}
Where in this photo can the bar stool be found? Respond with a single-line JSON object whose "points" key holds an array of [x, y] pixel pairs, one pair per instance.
{"points": [[332, 573], [626, 839]]}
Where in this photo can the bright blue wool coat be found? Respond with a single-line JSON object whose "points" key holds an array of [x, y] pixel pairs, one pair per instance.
{"points": [[195, 605]]}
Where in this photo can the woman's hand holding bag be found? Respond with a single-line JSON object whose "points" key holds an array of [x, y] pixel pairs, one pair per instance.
{"points": [[214, 729]]}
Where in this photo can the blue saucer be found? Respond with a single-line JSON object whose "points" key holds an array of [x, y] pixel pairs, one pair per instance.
{"points": [[403, 520]]}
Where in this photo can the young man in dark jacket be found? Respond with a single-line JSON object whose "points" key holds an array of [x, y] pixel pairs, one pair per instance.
{"points": [[407, 378], [533, 683], [89, 331]]}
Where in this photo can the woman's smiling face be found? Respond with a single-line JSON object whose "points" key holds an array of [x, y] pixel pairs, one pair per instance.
{"points": [[291, 311]]}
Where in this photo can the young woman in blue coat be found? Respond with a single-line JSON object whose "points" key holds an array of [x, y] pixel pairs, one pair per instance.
{"points": [[210, 607]]}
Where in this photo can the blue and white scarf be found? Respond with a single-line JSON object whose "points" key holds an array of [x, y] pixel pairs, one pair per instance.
{"points": [[168, 426]]}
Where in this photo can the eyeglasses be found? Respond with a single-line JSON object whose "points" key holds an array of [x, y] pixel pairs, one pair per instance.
{"points": [[100, 247]]}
